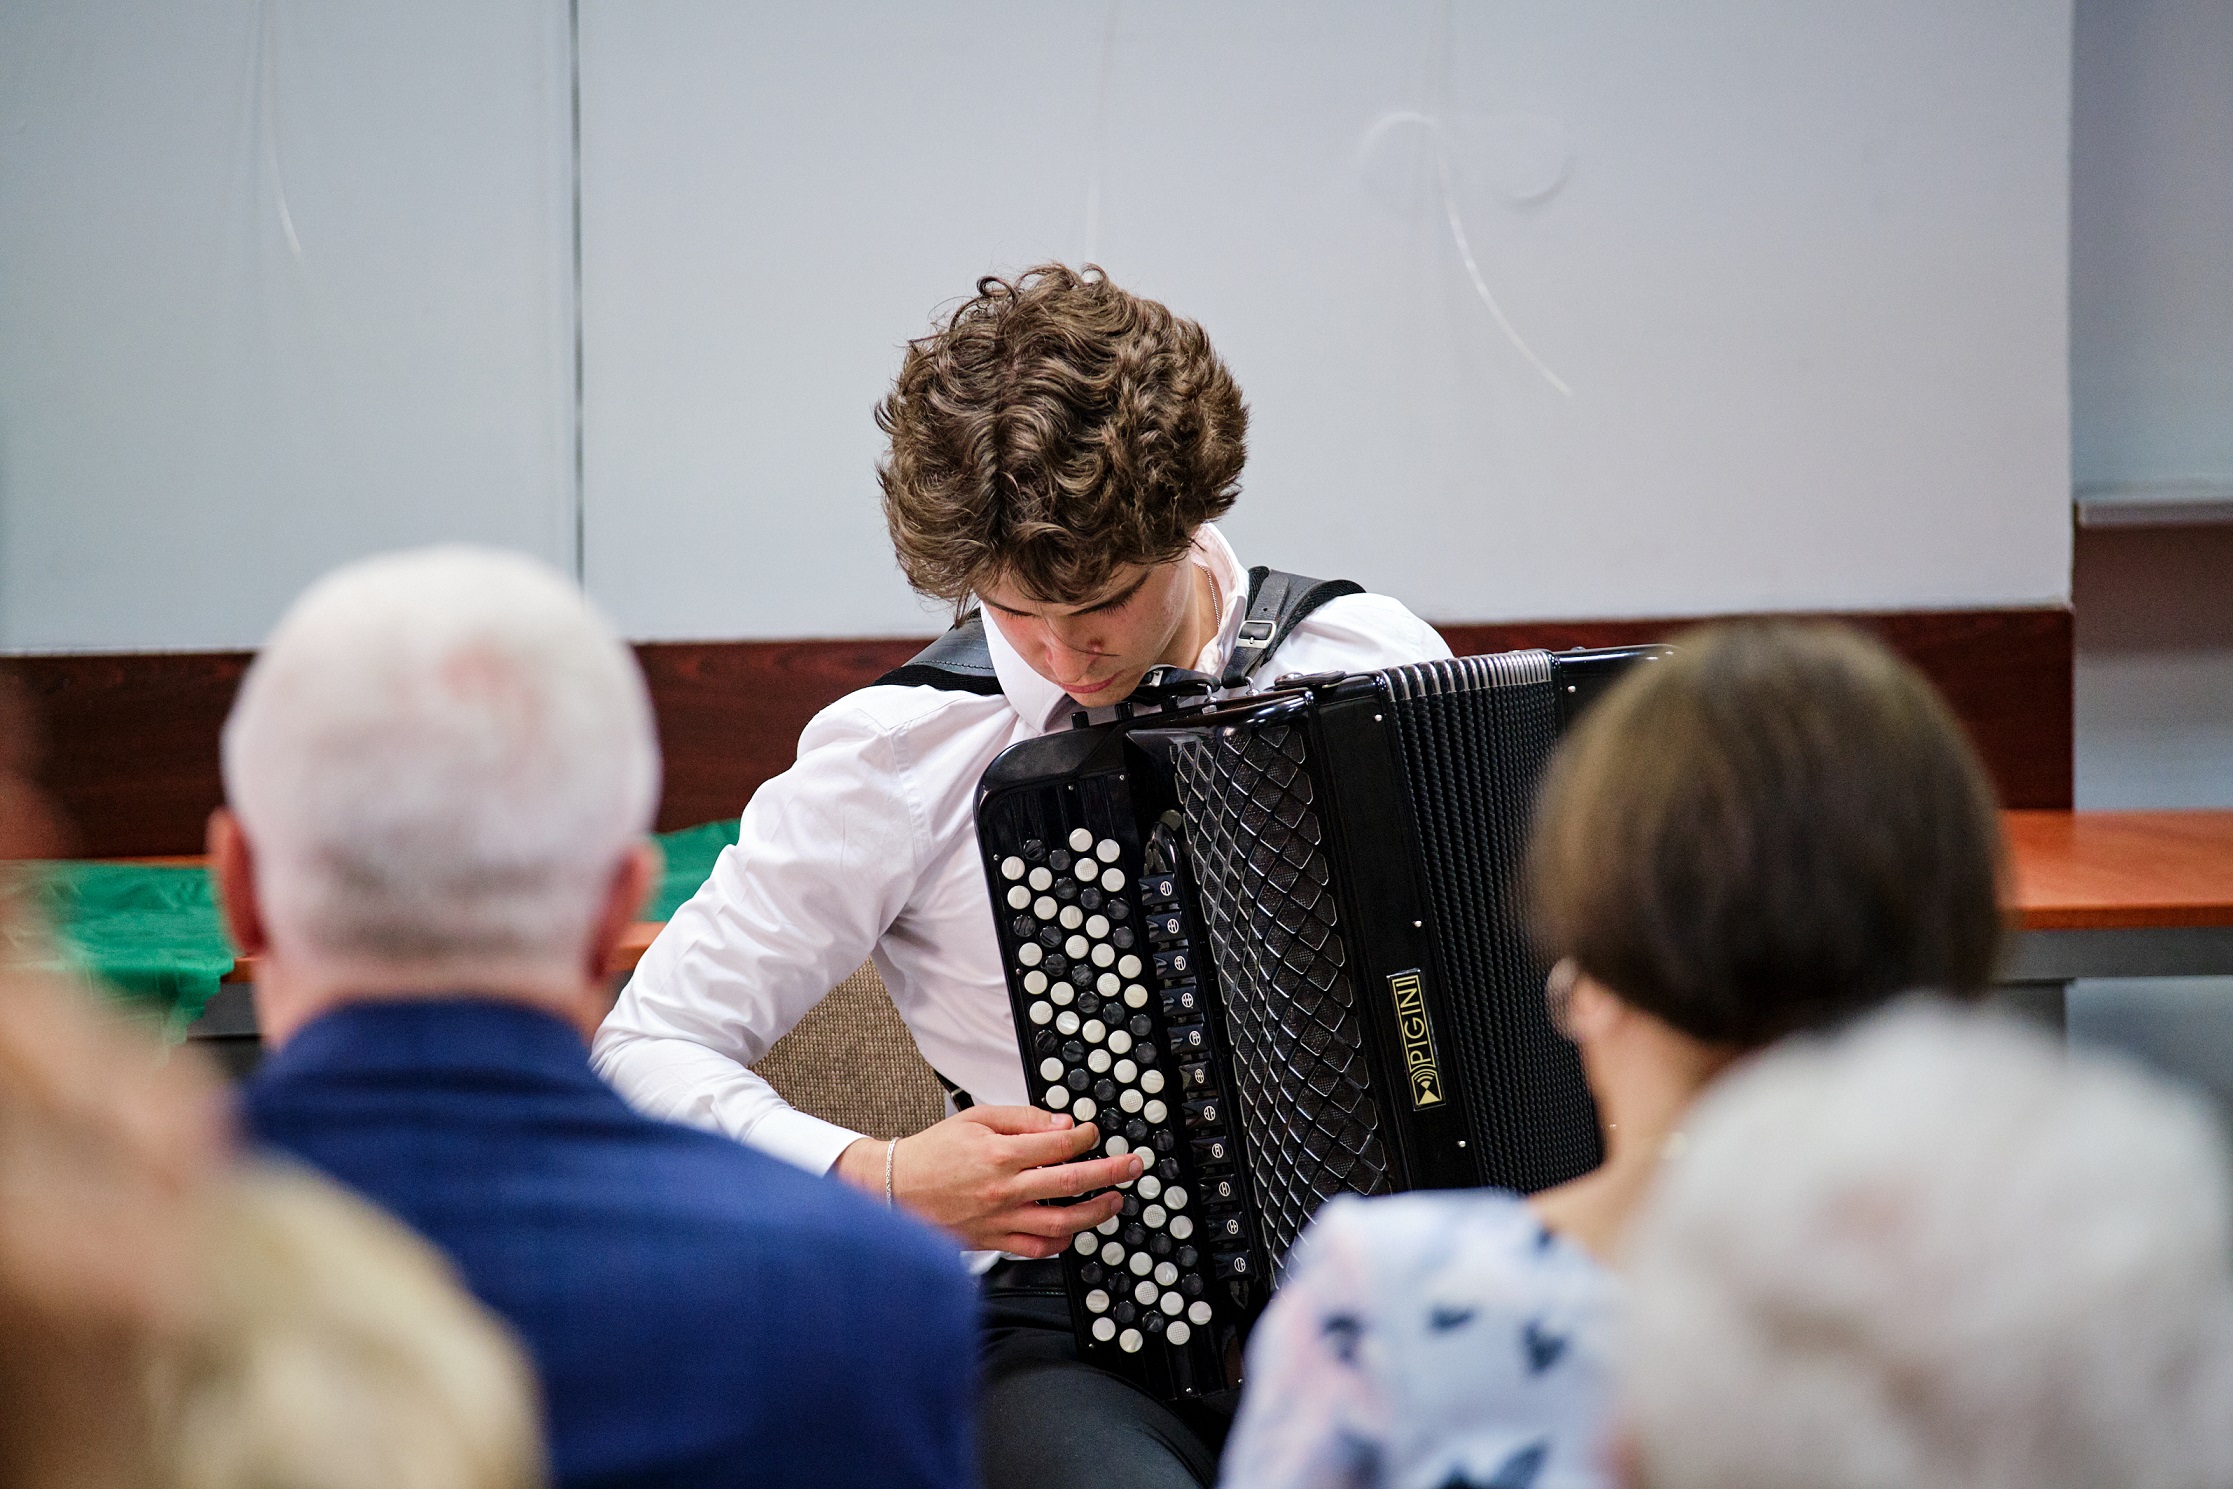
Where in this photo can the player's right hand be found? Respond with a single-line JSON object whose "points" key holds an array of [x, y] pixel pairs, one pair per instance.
{"points": [[982, 1172]]}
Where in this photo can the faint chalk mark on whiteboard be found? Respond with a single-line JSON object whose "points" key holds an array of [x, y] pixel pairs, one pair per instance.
{"points": [[1100, 132], [267, 57], [1523, 157]]}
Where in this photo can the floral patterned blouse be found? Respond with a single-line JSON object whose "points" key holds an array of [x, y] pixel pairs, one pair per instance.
{"points": [[1429, 1341]]}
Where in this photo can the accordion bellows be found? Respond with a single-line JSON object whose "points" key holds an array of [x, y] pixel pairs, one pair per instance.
{"points": [[1278, 944]]}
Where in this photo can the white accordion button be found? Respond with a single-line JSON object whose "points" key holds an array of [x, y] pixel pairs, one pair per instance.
{"points": [[1155, 1111], [1035, 982], [1065, 1021], [1107, 850], [1166, 1275], [1125, 1069], [1151, 1081], [1097, 1061], [1141, 1264], [1041, 1012], [1119, 1040], [1129, 1100], [1106, 984], [1175, 1197], [1050, 1069], [1097, 927], [1089, 871], [1058, 1097], [1129, 1341], [1129, 966], [1117, 1145], [1029, 953], [1097, 1301], [1181, 1227], [1075, 946], [1104, 1329], [1080, 840], [1062, 995], [1199, 1311], [1083, 1109], [1085, 1243], [1011, 867], [1178, 1332], [1111, 1254], [1103, 953], [1110, 1227], [1094, 1030], [1113, 880], [1018, 897], [1042, 879], [1044, 907], [1173, 1304], [1135, 996], [1144, 1294], [1071, 917], [1150, 1187], [1153, 1217]]}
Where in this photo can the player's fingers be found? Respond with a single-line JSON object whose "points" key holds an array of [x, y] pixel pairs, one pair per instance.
{"points": [[1061, 1180], [1017, 1119], [1059, 1221], [1038, 1149], [1038, 1248]]}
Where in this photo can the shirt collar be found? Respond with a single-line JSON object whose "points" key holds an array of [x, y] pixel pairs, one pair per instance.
{"points": [[1041, 703], [426, 1036]]}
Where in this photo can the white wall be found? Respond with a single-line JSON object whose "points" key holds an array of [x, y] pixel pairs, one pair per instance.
{"points": [[279, 285], [1803, 266], [1805, 271]]}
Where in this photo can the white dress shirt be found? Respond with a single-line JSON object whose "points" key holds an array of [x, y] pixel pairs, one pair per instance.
{"points": [[867, 848]]}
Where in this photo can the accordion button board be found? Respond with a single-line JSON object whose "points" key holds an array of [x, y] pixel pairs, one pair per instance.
{"points": [[1114, 1024]]}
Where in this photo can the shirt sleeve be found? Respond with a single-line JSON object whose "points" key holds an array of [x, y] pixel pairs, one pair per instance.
{"points": [[825, 858], [1314, 1414], [1358, 633]]}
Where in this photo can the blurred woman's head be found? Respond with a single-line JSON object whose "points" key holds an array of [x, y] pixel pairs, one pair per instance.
{"points": [[1777, 827]]}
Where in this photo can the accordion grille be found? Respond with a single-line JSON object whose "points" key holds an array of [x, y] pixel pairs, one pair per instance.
{"points": [[1304, 1091], [1476, 733]]}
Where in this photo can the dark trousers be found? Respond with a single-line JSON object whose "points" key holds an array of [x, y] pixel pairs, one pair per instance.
{"points": [[1047, 1420]]}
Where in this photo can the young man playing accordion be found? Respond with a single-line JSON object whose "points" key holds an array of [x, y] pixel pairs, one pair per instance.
{"points": [[1060, 451]]}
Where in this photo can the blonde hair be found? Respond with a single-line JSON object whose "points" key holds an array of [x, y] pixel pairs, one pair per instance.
{"points": [[341, 1352]]}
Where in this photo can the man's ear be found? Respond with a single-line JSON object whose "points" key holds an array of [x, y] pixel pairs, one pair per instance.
{"points": [[632, 882], [232, 868], [1593, 1010]]}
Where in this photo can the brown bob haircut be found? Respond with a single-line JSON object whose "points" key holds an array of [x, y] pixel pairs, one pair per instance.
{"points": [[1053, 432], [1778, 827]]}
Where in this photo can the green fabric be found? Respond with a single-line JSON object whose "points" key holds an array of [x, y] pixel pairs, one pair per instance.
{"points": [[690, 855], [154, 935]]}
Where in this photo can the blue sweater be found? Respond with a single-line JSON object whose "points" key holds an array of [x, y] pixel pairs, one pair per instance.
{"points": [[701, 1313]]}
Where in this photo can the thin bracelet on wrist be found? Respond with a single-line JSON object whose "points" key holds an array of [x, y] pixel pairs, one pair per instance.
{"points": [[891, 1151]]}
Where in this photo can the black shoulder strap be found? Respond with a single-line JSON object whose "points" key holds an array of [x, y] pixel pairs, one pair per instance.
{"points": [[1277, 603], [959, 661]]}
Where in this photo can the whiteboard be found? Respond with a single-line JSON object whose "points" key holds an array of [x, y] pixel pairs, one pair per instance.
{"points": [[280, 285], [1804, 269]]}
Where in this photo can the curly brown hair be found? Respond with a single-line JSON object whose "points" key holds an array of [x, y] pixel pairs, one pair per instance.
{"points": [[1053, 431]]}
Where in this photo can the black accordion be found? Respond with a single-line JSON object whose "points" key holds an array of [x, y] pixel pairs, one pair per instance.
{"points": [[1276, 943]]}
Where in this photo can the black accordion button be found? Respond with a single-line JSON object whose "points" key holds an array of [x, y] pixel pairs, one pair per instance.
{"points": [[1117, 909], [1077, 1079], [1134, 1235], [1104, 1091], [1091, 1274], [1089, 899], [1073, 1050], [1153, 1324], [1033, 850], [1051, 937], [1089, 1005], [1140, 1026], [1044, 1044], [1021, 927], [1143, 1052], [1059, 860], [1159, 1244], [1121, 937], [1125, 1312], [1130, 1209], [1135, 1132], [1065, 890], [1164, 1143], [1188, 1259], [1056, 964]]}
